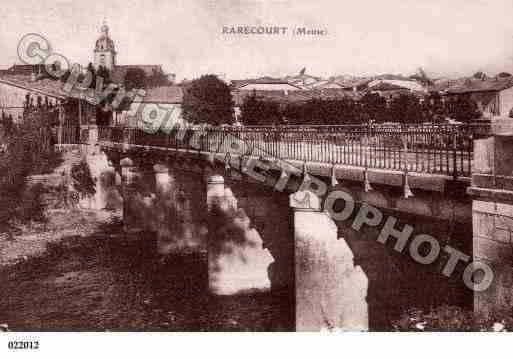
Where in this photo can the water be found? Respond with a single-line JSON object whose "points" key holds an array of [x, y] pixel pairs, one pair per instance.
{"points": [[113, 282]]}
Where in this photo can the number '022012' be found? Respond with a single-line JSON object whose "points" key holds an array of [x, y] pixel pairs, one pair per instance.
{"points": [[23, 345]]}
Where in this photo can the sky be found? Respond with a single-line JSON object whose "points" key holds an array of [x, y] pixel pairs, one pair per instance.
{"points": [[446, 38]]}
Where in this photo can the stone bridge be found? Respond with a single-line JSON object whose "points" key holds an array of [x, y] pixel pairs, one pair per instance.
{"points": [[270, 224]]}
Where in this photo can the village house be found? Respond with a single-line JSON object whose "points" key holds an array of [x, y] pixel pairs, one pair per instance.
{"points": [[24, 98], [18, 93], [303, 80], [26, 70], [21, 94], [494, 97], [389, 91], [392, 83], [327, 84], [264, 84], [162, 105]]}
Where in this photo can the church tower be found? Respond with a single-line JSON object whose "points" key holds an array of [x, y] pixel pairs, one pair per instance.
{"points": [[104, 50]]}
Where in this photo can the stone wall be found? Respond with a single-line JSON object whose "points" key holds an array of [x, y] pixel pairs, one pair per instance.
{"points": [[493, 230]]}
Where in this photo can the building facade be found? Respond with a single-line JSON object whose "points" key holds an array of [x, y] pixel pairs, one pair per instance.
{"points": [[494, 97]]}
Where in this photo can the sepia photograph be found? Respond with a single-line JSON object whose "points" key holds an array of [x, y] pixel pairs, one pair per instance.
{"points": [[255, 166]]}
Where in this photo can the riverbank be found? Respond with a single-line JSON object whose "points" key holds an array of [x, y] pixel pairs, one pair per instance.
{"points": [[108, 281], [34, 239]]}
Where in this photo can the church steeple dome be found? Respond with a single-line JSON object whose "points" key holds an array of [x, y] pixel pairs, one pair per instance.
{"points": [[104, 49]]}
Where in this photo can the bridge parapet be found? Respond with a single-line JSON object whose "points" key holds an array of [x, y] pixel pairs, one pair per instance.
{"points": [[443, 150]]}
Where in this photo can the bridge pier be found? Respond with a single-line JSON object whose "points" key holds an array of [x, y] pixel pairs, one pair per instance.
{"points": [[178, 211], [330, 291], [492, 214], [163, 180], [237, 261], [134, 216], [165, 210], [125, 164], [215, 190], [104, 175]]}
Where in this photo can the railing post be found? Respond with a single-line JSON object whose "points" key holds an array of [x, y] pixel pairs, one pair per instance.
{"points": [[454, 160], [126, 139], [61, 120]]}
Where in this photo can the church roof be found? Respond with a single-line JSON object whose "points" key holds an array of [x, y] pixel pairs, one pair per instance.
{"points": [[118, 73], [104, 43]]}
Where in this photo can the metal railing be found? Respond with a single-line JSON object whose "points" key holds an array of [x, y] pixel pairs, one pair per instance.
{"points": [[445, 149]]}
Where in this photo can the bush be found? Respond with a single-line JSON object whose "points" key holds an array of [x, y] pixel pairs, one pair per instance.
{"points": [[26, 149], [464, 109]]}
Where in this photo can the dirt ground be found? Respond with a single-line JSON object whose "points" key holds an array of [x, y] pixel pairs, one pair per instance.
{"points": [[33, 240]]}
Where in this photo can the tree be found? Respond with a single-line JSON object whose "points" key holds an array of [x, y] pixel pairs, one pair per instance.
{"points": [[158, 78], [464, 109], [373, 107], [256, 111], [434, 107], [208, 100], [135, 78], [92, 73], [406, 108]]}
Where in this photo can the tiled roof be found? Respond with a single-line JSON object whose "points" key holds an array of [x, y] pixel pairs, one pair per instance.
{"points": [[327, 84], [45, 86], [303, 77], [384, 86], [482, 86], [396, 85], [392, 77], [359, 83], [262, 80], [336, 94], [23, 70], [164, 94]]}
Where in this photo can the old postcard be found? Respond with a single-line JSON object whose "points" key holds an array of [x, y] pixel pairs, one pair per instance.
{"points": [[255, 165]]}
